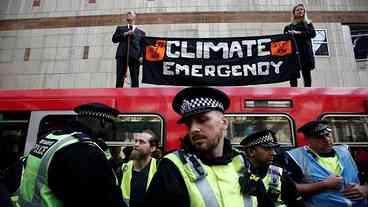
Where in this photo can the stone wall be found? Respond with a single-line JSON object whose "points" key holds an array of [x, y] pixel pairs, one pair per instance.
{"points": [[43, 51]]}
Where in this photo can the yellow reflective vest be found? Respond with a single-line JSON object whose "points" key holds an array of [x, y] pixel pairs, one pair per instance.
{"points": [[34, 190], [272, 182], [127, 170], [212, 186]]}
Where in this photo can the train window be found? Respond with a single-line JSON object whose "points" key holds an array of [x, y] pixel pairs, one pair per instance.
{"points": [[129, 124], [348, 129], [241, 125], [126, 126], [13, 131], [53, 122]]}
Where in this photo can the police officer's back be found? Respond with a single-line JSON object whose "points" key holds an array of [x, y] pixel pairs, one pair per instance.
{"points": [[66, 168]]}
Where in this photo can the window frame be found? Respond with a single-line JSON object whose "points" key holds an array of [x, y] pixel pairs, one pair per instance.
{"points": [[34, 124], [321, 42], [325, 115], [293, 138], [37, 116], [162, 139]]}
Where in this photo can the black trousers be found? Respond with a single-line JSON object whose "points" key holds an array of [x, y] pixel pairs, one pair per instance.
{"points": [[307, 78], [121, 70]]}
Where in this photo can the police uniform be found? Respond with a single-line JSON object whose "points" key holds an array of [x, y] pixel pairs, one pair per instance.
{"points": [[307, 166], [66, 168], [272, 185], [184, 177]]}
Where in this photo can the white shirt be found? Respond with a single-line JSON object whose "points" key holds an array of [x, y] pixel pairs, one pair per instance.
{"points": [[134, 27]]}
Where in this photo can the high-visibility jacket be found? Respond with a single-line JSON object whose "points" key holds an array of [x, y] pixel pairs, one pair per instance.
{"points": [[127, 170], [14, 200], [34, 190], [315, 172], [211, 186], [272, 182]]}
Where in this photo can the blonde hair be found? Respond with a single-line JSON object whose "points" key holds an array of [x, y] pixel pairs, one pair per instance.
{"points": [[305, 19]]}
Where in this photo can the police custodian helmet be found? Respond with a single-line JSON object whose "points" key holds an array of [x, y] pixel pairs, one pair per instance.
{"points": [[265, 138], [97, 110], [196, 100], [315, 129]]}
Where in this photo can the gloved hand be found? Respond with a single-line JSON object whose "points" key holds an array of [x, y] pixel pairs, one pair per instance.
{"points": [[273, 192], [250, 184], [253, 185]]}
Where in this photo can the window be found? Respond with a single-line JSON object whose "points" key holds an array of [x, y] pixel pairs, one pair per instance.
{"points": [[13, 131], [348, 129], [36, 3], [85, 52], [132, 123], [360, 44], [126, 125], [53, 122], [242, 125], [359, 37], [320, 43], [27, 54], [352, 130]]}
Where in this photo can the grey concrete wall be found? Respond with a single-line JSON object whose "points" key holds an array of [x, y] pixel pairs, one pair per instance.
{"points": [[56, 54], [53, 8]]}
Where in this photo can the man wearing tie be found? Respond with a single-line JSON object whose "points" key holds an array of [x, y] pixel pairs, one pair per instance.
{"points": [[128, 37]]}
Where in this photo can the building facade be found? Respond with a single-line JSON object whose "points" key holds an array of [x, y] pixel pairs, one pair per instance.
{"points": [[67, 44]]}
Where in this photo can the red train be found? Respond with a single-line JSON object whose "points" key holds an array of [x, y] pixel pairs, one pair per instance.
{"points": [[23, 113]]}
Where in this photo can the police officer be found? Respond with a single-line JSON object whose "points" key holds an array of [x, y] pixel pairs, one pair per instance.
{"points": [[138, 172], [205, 171], [326, 175], [67, 168], [264, 178]]}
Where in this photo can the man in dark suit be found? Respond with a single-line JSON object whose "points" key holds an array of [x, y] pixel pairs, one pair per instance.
{"points": [[131, 37]]}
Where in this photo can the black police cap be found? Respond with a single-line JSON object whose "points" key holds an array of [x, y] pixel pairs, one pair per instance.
{"points": [[315, 129], [195, 100], [97, 110], [265, 138]]}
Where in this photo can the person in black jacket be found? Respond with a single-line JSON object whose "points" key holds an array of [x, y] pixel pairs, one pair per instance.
{"points": [[129, 36], [271, 183], [204, 172], [77, 170], [301, 28], [324, 173]]}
